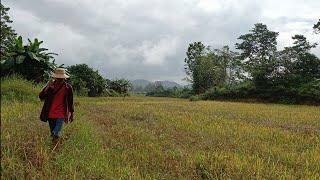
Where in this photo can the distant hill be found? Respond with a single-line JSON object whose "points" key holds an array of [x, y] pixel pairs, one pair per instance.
{"points": [[168, 84], [140, 84]]}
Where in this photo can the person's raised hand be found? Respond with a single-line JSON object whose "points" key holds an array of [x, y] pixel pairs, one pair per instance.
{"points": [[50, 83]]}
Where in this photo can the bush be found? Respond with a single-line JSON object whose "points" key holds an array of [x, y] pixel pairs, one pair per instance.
{"points": [[83, 78], [196, 98], [237, 91], [185, 93], [31, 61], [79, 86], [111, 93], [120, 86], [310, 91]]}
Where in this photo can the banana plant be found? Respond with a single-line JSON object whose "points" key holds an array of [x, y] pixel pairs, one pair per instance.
{"points": [[31, 61]]}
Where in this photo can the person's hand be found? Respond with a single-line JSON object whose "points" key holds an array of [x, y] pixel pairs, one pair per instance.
{"points": [[70, 117], [49, 85]]}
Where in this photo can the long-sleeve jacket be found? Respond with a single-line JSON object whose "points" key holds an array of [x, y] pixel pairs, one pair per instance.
{"points": [[48, 95]]}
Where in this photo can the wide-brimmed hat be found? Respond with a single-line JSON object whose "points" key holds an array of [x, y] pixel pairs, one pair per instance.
{"points": [[59, 73]]}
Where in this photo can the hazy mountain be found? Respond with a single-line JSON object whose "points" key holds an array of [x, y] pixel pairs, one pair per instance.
{"points": [[140, 84], [168, 84]]}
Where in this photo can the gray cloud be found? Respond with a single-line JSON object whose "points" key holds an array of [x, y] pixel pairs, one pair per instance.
{"points": [[148, 39]]}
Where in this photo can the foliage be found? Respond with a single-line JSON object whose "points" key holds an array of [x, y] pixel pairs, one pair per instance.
{"points": [[231, 65], [7, 33], [241, 90], [79, 85], [310, 91], [260, 72], [85, 79], [30, 61], [193, 60], [120, 86], [207, 67], [259, 53], [195, 50], [158, 90]]}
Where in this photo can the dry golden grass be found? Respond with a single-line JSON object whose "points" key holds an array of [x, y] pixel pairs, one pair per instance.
{"points": [[163, 138], [173, 138]]}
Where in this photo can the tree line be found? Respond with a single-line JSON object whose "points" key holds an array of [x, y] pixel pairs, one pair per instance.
{"points": [[257, 70], [35, 63]]}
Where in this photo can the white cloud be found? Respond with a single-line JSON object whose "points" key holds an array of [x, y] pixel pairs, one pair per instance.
{"points": [[156, 53], [148, 39]]}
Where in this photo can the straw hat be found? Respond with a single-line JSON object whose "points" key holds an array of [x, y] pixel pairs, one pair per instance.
{"points": [[60, 73]]}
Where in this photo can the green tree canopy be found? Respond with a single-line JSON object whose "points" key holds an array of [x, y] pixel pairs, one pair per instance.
{"points": [[31, 61], [7, 33], [83, 75], [259, 48]]}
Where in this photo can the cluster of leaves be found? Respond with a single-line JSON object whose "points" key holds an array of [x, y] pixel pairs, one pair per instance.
{"points": [[208, 67], [120, 86], [7, 33], [30, 61], [158, 90], [35, 63], [88, 82], [259, 71]]}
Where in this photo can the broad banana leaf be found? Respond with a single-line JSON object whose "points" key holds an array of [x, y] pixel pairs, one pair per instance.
{"points": [[20, 59], [33, 56]]}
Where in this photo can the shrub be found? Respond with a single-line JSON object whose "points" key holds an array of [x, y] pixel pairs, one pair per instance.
{"points": [[238, 91], [83, 78], [111, 93], [196, 98], [310, 91], [30, 61], [120, 86]]}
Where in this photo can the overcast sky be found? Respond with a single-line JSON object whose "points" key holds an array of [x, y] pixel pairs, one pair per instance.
{"points": [[147, 39]]}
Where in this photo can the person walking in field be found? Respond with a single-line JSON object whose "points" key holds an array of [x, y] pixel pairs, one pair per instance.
{"points": [[58, 103]]}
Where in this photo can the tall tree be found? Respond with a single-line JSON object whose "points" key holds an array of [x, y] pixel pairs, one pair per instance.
{"points": [[192, 63], [7, 33], [296, 64], [230, 63], [259, 49], [301, 45], [211, 72], [195, 50], [307, 64]]}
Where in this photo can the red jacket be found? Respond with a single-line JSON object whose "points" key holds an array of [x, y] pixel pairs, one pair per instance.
{"points": [[47, 97]]}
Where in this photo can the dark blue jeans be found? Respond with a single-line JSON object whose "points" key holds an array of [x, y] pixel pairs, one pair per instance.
{"points": [[55, 126]]}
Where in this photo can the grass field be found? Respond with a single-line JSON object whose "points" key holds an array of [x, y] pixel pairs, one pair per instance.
{"points": [[159, 138]]}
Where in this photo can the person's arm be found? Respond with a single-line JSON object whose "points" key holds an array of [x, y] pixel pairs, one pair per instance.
{"points": [[44, 92], [70, 103]]}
